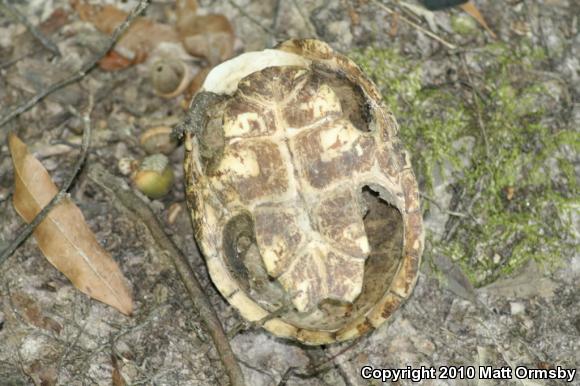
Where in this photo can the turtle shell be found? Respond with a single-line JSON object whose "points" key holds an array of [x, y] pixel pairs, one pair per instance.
{"points": [[303, 201]]}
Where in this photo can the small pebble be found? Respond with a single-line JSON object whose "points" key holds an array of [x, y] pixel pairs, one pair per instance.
{"points": [[517, 308]]}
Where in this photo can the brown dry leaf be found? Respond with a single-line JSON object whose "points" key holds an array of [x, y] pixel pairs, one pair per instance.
{"points": [[472, 11], [32, 312], [207, 36], [114, 61], [139, 40], [57, 19], [197, 82], [63, 236], [43, 372], [117, 377], [189, 6]]}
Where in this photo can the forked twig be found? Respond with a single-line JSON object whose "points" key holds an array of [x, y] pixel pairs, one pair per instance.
{"points": [[251, 18]]}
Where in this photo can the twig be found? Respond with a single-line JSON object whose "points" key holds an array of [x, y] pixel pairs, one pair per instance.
{"points": [[477, 106], [86, 69], [135, 205], [286, 376], [416, 26], [63, 192], [257, 369], [323, 365], [451, 231], [350, 374], [46, 42], [238, 327], [251, 18], [311, 28], [440, 207], [275, 19]]}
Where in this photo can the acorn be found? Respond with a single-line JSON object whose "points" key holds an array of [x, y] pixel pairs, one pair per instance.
{"points": [[154, 177], [158, 140], [170, 77]]}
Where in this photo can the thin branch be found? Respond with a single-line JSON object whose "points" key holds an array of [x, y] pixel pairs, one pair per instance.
{"points": [[46, 42], [450, 232], [137, 207], [275, 20], [307, 22], [63, 192], [477, 107], [314, 369], [251, 18], [415, 25], [276, 14], [441, 208], [239, 327], [85, 69]]}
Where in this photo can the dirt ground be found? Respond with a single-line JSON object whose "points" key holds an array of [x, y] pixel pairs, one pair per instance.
{"points": [[492, 298]]}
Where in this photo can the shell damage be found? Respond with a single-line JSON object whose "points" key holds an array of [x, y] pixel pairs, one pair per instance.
{"points": [[303, 202]]}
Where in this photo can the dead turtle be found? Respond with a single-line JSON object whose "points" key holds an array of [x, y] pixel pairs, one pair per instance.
{"points": [[304, 203]]}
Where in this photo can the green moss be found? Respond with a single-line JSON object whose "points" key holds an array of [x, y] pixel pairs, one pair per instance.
{"points": [[513, 183], [464, 25]]}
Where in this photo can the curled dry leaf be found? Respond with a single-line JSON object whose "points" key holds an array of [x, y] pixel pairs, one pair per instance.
{"points": [[139, 40], [207, 36], [197, 81], [63, 236], [170, 77], [158, 140], [114, 61]]}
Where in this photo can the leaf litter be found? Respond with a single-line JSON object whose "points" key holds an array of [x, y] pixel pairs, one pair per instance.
{"points": [[456, 319]]}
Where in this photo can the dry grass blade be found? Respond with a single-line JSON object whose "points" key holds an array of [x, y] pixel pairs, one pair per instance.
{"points": [[472, 11], [63, 236]]}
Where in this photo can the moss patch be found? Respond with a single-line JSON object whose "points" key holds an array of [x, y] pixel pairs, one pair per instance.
{"points": [[493, 134]]}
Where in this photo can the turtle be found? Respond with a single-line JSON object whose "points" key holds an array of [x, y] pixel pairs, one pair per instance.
{"points": [[304, 202]]}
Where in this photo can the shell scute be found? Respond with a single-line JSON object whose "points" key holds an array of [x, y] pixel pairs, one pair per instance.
{"points": [[340, 222], [332, 151], [246, 118], [338, 277], [273, 84], [278, 236], [250, 170], [390, 162], [311, 103]]}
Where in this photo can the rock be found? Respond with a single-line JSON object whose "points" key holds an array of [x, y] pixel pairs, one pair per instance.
{"points": [[527, 283], [517, 308]]}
